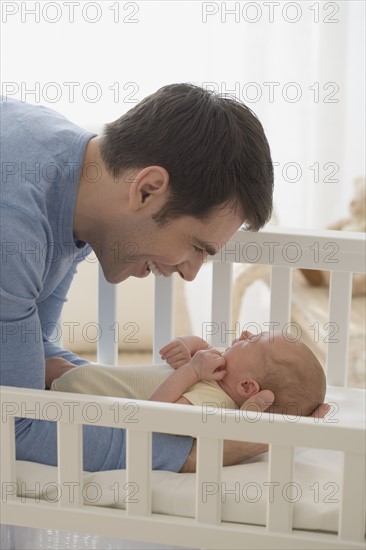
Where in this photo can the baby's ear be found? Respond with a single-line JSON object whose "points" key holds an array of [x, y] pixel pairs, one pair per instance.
{"points": [[248, 387]]}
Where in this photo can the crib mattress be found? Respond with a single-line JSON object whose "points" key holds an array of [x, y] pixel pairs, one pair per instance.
{"points": [[316, 489]]}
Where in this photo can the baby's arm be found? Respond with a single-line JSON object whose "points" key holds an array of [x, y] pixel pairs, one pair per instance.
{"points": [[180, 350], [205, 365]]}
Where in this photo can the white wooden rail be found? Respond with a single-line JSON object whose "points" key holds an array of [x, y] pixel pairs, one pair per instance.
{"points": [[275, 430], [283, 250]]}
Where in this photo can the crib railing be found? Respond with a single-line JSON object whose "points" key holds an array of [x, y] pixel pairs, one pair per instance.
{"points": [[283, 250], [282, 437], [277, 249]]}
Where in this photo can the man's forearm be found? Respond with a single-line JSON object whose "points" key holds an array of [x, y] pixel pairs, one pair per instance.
{"points": [[54, 368], [238, 451], [234, 453]]}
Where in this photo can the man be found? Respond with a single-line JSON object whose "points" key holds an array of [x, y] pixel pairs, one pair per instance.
{"points": [[164, 185]]}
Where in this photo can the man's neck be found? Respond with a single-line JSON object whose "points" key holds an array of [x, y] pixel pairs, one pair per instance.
{"points": [[91, 176]]}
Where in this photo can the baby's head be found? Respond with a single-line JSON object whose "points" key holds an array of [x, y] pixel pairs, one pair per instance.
{"points": [[269, 361]]}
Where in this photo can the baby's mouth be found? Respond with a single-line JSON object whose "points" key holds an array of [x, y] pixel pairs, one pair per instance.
{"points": [[154, 269]]}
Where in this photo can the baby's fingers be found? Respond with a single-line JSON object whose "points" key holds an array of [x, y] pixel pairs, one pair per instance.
{"points": [[176, 355], [173, 347], [168, 347], [219, 374], [218, 361]]}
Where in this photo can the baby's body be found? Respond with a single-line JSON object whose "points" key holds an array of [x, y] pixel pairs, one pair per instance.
{"points": [[201, 374], [135, 382]]}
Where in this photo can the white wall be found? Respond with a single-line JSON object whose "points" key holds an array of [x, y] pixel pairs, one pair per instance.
{"points": [[115, 58]]}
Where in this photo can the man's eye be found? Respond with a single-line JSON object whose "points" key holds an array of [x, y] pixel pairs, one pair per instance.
{"points": [[198, 249]]}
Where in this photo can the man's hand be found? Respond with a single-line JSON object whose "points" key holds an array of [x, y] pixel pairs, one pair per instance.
{"points": [[55, 367], [321, 411], [237, 451]]}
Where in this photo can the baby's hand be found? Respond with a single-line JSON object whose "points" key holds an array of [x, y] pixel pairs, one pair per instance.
{"points": [[208, 365], [246, 335], [176, 353]]}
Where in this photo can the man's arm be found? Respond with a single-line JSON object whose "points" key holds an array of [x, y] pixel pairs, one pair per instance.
{"points": [[238, 451], [234, 453], [49, 311], [55, 367], [22, 357], [58, 359]]}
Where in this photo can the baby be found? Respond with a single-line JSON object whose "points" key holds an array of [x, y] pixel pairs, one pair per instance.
{"points": [[203, 374]]}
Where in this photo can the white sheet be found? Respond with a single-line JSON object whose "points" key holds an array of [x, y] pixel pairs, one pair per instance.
{"points": [[244, 488]]}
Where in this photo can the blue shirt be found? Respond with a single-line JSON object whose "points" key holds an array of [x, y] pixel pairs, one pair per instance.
{"points": [[41, 161]]}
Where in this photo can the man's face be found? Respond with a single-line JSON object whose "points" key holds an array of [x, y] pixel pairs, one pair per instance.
{"points": [[181, 246]]}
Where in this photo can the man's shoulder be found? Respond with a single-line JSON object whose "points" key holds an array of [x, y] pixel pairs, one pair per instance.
{"points": [[39, 127], [22, 222]]}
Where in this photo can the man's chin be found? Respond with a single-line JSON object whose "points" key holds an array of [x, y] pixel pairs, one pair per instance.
{"points": [[137, 270]]}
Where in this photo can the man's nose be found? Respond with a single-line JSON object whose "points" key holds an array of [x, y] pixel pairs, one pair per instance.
{"points": [[188, 270]]}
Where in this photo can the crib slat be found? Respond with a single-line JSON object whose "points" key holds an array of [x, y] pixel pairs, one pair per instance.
{"points": [[69, 461], [279, 505], [208, 481], [138, 473], [107, 347], [221, 304], [163, 324], [352, 512], [280, 302], [339, 321], [7, 465]]}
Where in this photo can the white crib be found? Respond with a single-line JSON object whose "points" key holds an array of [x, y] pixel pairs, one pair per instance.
{"points": [[283, 250]]}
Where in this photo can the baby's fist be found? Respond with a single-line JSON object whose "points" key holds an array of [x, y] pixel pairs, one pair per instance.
{"points": [[176, 353], [208, 365]]}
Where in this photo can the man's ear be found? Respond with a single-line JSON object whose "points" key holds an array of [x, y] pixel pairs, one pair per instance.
{"points": [[148, 184], [248, 387]]}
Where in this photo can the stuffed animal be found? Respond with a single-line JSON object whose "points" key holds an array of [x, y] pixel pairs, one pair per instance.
{"points": [[355, 222]]}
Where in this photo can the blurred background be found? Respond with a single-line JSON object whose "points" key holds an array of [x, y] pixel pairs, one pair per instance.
{"points": [[300, 66]]}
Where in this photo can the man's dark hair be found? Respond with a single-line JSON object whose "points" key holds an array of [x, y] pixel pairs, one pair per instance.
{"points": [[213, 147]]}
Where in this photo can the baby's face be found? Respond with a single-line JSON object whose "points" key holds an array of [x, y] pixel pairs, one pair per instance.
{"points": [[285, 366], [242, 358], [246, 356]]}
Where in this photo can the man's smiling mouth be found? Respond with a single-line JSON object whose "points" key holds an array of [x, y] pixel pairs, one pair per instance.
{"points": [[154, 269]]}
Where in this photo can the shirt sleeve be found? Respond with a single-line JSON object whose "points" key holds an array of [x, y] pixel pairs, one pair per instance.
{"points": [[208, 393], [50, 312], [24, 344], [22, 267]]}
